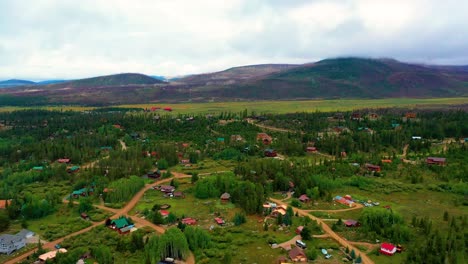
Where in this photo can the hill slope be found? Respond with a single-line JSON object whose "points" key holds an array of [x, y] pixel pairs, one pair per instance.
{"points": [[235, 74]]}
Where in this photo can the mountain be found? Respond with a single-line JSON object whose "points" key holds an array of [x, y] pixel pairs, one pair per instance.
{"points": [[158, 77], [326, 79], [51, 82], [354, 78], [121, 79], [234, 75], [15, 82]]}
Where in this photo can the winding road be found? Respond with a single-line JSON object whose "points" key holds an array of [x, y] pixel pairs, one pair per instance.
{"points": [[330, 232]]}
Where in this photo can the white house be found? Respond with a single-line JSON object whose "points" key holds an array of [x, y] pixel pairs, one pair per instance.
{"points": [[10, 243]]}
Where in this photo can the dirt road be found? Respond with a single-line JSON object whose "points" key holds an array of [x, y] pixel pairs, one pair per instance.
{"points": [[122, 143], [330, 232]]}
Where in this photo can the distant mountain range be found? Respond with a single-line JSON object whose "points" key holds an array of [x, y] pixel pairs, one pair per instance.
{"points": [[330, 78]]}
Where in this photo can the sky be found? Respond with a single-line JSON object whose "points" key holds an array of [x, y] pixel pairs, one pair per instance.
{"points": [[69, 39]]}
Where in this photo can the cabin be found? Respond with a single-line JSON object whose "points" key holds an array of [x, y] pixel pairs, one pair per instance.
{"points": [[281, 209], [356, 116], [4, 204], [50, 255], [410, 115], [118, 126], [38, 168], [436, 161], [122, 225], [416, 138], [84, 216], [179, 195], [164, 213], [296, 254], [189, 221], [220, 140], [236, 138], [388, 249], [73, 169], [351, 223], [373, 168], [154, 175], [64, 160], [270, 153], [299, 229], [386, 161], [343, 154], [167, 109], [304, 198], [265, 138], [167, 189], [82, 192], [219, 221], [373, 116], [311, 150], [225, 197], [105, 148]]}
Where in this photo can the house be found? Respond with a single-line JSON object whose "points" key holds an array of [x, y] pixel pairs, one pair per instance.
{"points": [[282, 260], [410, 115], [388, 249], [38, 168], [105, 148], [371, 167], [416, 138], [356, 116], [373, 116], [154, 175], [270, 153], [51, 254], [179, 195], [303, 198], [296, 254], [167, 189], [435, 161], [386, 161], [225, 197], [299, 229], [118, 126], [82, 192], [220, 140], [219, 221], [122, 225], [84, 216], [343, 154], [73, 169], [189, 221], [185, 161], [236, 138], [4, 204], [10, 243], [168, 109], [351, 223], [64, 160], [281, 209], [164, 213], [311, 149], [265, 138]]}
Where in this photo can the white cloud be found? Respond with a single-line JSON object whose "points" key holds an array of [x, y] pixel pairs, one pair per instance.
{"points": [[73, 39]]}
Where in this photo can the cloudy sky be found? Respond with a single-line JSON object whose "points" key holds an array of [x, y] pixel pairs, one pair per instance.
{"points": [[42, 39]]}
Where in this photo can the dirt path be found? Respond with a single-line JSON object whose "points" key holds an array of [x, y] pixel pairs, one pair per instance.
{"points": [[330, 232], [276, 129], [405, 150], [122, 143], [287, 245]]}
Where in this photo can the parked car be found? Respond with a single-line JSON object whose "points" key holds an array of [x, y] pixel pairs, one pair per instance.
{"points": [[301, 244], [57, 246]]}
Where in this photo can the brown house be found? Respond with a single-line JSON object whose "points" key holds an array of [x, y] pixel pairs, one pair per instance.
{"points": [[435, 161], [304, 198], [265, 138], [297, 255], [371, 167]]}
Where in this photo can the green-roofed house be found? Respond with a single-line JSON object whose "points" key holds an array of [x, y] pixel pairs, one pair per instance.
{"points": [[106, 148], [82, 192], [220, 139], [38, 168], [122, 225], [73, 169]]}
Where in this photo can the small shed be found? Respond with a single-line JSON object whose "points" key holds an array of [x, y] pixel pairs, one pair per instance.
{"points": [[304, 198], [225, 197]]}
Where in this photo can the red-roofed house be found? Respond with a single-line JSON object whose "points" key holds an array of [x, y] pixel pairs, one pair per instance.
{"points": [[297, 255], [299, 229], [189, 221], [164, 213], [219, 221], [351, 223], [303, 198], [386, 161], [3, 203], [311, 149], [371, 167], [63, 160], [388, 249], [435, 161], [265, 138]]}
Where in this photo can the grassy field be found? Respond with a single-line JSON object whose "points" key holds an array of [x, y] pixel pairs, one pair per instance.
{"points": [[277, 106]]}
